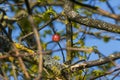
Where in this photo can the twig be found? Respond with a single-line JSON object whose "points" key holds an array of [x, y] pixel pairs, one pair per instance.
{"points": [[61, 51], [73, 16], [31, 33], [21, 62], [51, 26], [17, 53], [69, 40], [108, 4], [38, 47], [4, 74], [107, 73], [116, 76], [26, 54], [97, 10], [36, 34], [14, 71], [97, 62]]}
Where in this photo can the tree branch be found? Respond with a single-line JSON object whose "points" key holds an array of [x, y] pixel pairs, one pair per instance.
{"points": [[97, 10], [31, 33], [36, 34], [73, 16], [106, 73], [17, 53], [98, 62]]}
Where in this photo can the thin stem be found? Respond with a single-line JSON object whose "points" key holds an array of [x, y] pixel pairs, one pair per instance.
{"points": [[14, 71], [36, 34]]}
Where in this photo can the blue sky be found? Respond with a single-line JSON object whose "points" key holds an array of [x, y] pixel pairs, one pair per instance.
{"points": [[111, 46], [105, 48]]}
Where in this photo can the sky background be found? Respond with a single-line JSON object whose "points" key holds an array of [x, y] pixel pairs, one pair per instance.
{"points": [[104, 48], [112, 45]]}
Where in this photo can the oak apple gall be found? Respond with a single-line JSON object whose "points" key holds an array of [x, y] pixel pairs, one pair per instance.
{"points": [[56, 38]]}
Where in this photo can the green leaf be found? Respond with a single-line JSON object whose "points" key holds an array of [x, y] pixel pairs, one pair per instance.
{"points": [[106, 38], [47, 32], [75, 25], [97, 72], [34, 68], [75, 36], [56, 57], [25, 25], [81, 42]]}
